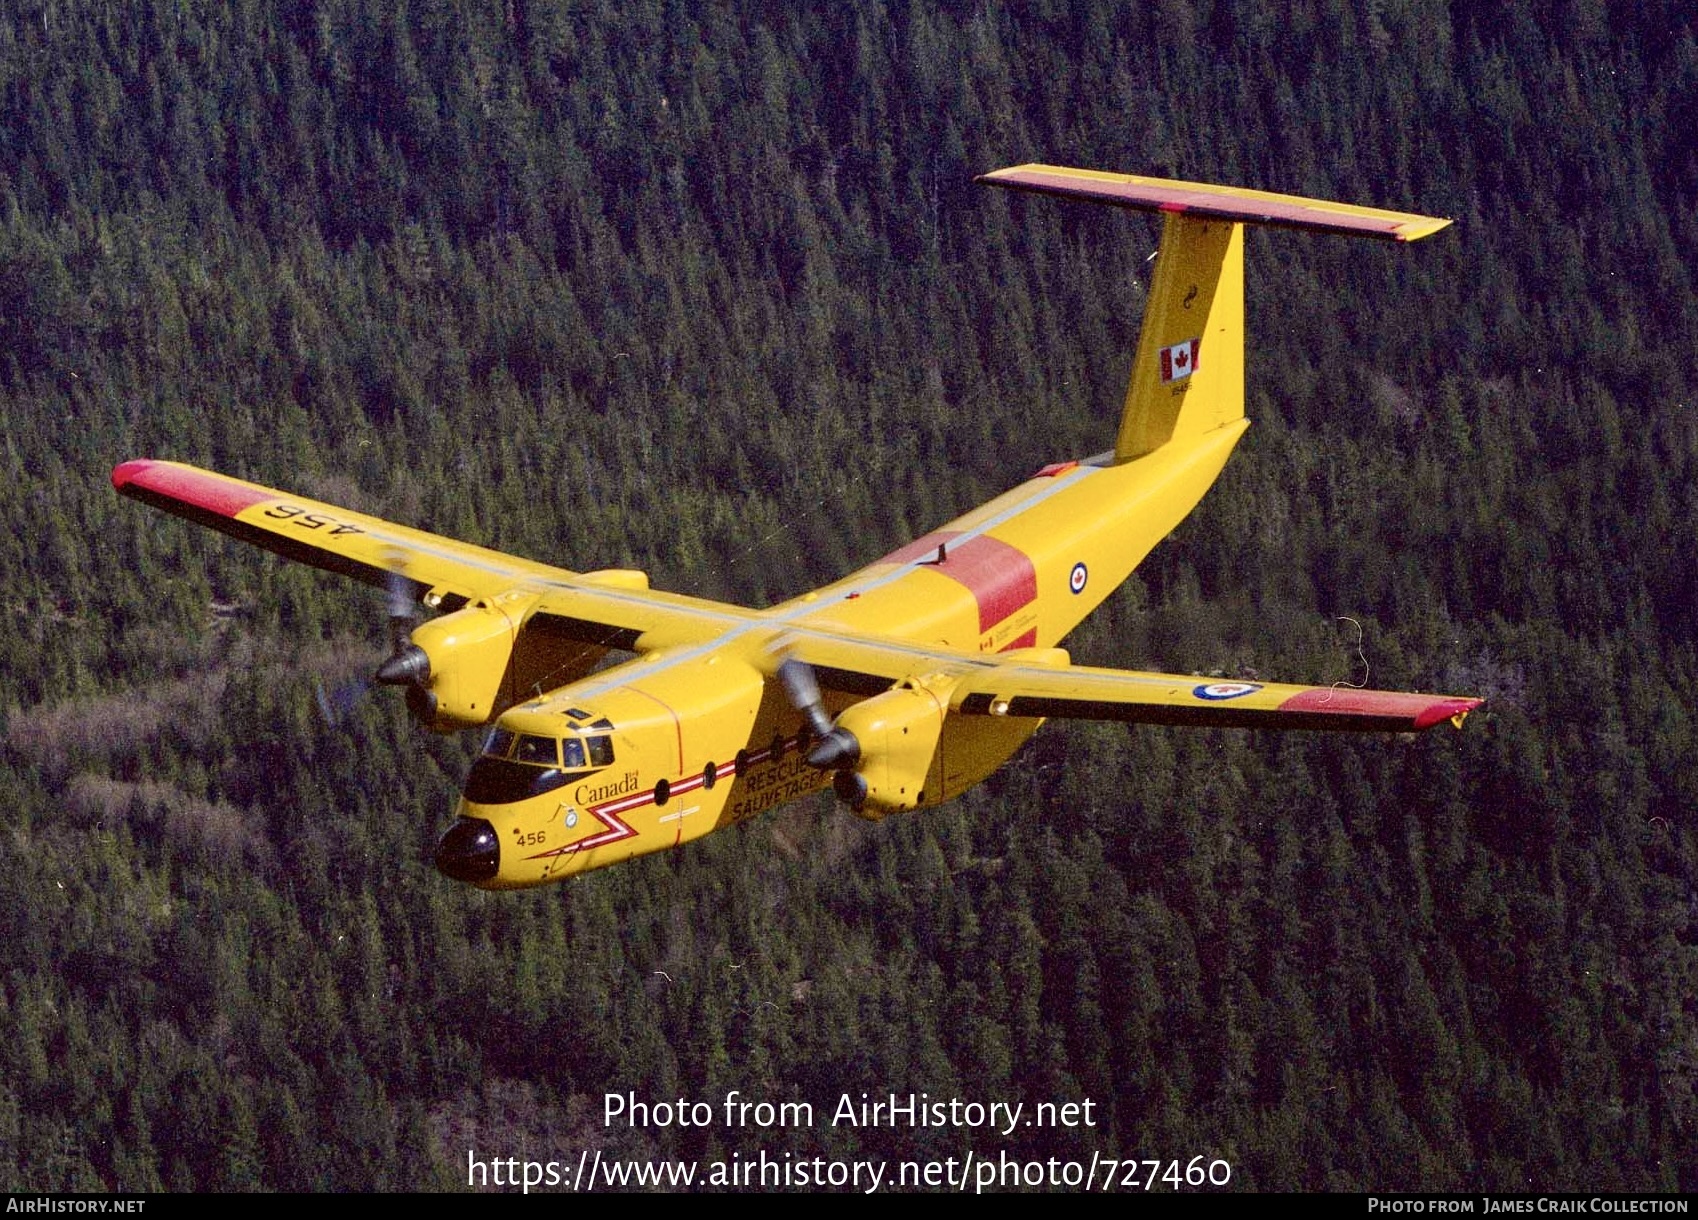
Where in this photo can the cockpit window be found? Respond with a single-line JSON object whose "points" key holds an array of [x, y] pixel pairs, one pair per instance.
{"points": [[520, 766], [538, 750]]}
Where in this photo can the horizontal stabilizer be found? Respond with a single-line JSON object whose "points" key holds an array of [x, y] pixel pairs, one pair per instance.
{"points": [[1219, 202]]}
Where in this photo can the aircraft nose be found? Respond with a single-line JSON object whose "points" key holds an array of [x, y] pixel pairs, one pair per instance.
{"points": [[470, 851]]}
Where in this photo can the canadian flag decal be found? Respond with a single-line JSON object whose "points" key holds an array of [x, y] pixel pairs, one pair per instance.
{"points": [[1180, 360]]}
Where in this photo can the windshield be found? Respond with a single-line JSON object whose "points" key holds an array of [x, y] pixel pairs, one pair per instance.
{"points": [[518, 766], [539, 751], [526, 748]]}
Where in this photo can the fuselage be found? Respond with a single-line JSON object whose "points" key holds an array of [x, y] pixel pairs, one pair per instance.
{"points": [[692, 735]]}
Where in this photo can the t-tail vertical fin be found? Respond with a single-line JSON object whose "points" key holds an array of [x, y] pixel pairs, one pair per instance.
{"points": [[1188, 376]]}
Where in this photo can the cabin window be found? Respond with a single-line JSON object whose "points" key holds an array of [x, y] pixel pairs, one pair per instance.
{"points": [[601, 751], [537, 750], [573, 752], [499, 744]]}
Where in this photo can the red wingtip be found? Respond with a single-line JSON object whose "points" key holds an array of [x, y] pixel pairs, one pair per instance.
{"points": [[1446, 709], [1417, 711], [124, 473], [187, 486]]}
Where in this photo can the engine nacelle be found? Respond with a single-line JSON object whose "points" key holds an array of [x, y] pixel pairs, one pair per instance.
{"points": [[471, 652], [901, 764], [493, 654]]}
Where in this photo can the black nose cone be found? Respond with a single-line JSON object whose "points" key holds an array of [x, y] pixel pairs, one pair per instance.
{"points": [[469, 851]]}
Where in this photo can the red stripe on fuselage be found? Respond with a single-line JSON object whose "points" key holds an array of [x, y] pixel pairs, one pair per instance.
{"points": [[608, 812], [1000, 577], [226, 497]]}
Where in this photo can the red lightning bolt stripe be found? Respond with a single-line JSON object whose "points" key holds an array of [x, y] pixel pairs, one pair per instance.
{"points": [[617, 829]]}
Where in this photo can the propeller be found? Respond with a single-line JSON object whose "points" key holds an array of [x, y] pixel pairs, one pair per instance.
{"points": [[407, 664], [335, 704], [402, 596], [836, 748]]}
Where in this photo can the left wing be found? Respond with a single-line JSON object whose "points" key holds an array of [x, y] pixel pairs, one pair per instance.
{"points": [[335, 539], [609, 609], [1045, 684]]}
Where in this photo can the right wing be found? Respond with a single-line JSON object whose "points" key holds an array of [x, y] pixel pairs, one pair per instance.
{"points": [[1045, 684], [1084, 693]]}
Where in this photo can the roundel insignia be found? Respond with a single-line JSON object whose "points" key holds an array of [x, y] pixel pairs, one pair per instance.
{"points": [[1225, 690], [571, 818], [1077, 578]]}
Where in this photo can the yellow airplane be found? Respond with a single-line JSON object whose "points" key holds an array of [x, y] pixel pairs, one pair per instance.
{"points": [[901, 685]]}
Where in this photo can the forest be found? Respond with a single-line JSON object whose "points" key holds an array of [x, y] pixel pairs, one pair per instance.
{"points": [[705, 288]]}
